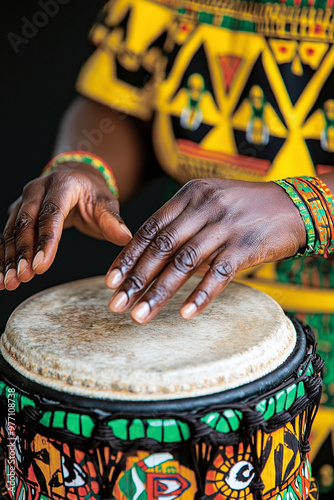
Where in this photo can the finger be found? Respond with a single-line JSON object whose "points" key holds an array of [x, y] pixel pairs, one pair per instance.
{"points": [[222, 270], [109, 222], [161, 250], [13, 205], [11, 280], [184, 264], [128, 257], [25, 230], [54, 209], [99, 218]]}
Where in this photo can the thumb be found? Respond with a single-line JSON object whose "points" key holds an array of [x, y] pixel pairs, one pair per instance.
{"points": [[114, 229], [111, 224]]}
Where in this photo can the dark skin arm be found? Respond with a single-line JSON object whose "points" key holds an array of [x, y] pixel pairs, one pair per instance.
{"points": [[230, 225], [73, 194]]}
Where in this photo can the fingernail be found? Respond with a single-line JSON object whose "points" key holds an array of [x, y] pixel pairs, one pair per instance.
{"points": [[126, 230], [118, 302], [9, 276], [114, 278], [23, 264], [141, 311], [188, 310], [39, 257]]}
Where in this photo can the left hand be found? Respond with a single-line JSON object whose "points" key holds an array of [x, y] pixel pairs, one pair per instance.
{"points": [[230, 225]]}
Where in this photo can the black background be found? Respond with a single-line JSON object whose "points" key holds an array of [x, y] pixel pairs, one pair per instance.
{"points": [[37, 84]]}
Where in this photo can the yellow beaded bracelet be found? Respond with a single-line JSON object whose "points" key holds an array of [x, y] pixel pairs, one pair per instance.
{"points": [[84, 157]]}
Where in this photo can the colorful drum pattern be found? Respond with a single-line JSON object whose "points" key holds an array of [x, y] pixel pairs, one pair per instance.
{"points": [[304, 287], [248, 442]]}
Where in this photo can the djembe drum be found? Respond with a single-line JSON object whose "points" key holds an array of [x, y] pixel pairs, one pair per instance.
{"points": [[95, 407]]}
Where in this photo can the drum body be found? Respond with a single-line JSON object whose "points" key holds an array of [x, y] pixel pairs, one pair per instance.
{"points": [[163, 436], [306, 287]]}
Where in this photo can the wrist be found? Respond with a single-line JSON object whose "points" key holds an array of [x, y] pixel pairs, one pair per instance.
{"points": [[78, 159], [315, 203], [290, 216]]}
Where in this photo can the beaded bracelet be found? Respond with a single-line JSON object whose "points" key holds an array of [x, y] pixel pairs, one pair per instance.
{"points": [[316, 206], [84, 157]]}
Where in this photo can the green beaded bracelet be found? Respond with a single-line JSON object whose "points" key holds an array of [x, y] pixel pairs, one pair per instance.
{"points": [[84, 157]]}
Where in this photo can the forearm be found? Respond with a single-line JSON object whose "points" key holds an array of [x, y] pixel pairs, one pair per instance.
{"points": [[90, 126]]}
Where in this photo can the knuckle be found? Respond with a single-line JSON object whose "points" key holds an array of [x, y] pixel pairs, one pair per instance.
{"points": [[204, 195], [148, 230], [30, 187], [56, 176], [222, 270], [158, 294], [214, 199], [187, 259], [58, 179], [202, 297], [126, 262], [193, 184], [134, 284], [49, 209], [22, 222], [45, 238], [9, 235], [164, 242], [192, 189], [201, 187]]}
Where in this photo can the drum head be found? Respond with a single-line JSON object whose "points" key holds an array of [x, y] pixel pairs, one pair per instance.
{"points": [[67, 339]]}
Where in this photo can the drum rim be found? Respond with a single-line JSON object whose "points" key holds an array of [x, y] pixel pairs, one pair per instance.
{"points": [[244, 393]]}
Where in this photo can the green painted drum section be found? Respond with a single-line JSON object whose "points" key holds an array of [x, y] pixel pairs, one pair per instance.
{"points": [[161, 430]]}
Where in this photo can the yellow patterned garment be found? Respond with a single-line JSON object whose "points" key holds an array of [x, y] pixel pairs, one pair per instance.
{"points": [[237, 89]]}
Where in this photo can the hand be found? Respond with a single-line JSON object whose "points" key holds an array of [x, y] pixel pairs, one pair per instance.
{"points": [[74, 194], [230, 225]]}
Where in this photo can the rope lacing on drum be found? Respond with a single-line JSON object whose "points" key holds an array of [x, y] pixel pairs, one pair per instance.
{"points": [[251, 420], [256, 487], [304, 447], [312, 386], [102, 433], [31, 415]]}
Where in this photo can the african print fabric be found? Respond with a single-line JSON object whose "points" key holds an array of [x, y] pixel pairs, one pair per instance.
{"points": [[237, 89]]}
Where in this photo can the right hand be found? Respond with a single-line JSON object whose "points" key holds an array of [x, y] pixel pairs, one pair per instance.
{"points": [[73, 194]]}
